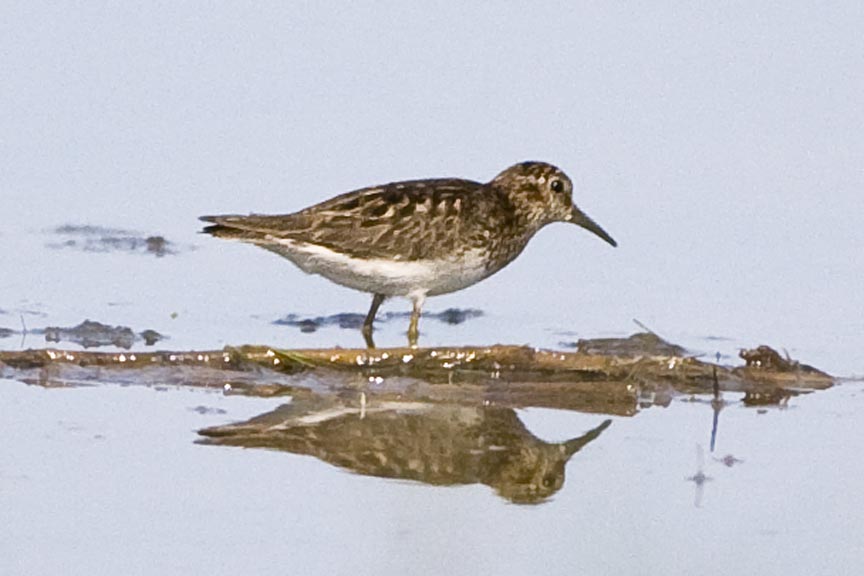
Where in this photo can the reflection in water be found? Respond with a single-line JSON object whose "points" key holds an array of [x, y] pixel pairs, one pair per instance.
{"points": [[699, 479], [439, 444], [717, 405]]}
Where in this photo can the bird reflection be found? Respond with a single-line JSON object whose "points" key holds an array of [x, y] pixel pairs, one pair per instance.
{"points": [[438, 444]]}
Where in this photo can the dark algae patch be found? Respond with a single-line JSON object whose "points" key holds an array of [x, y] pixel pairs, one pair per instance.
{"points": [[102, 239], [95, 334], [354, 321], [640, 344]]}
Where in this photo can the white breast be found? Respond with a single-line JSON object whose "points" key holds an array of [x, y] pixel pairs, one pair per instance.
{"points": [[387, 277]]}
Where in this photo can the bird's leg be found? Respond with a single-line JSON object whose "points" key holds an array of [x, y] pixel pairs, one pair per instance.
{"points": [[413, 331], [377, 299]]}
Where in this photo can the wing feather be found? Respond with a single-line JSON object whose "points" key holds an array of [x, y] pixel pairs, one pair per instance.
{"points": [[404, 220]]}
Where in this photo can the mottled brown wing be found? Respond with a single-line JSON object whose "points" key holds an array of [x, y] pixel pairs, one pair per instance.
{"points": [[405, 220]]}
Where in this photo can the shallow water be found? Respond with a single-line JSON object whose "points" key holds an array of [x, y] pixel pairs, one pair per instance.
{"points": [[721, 148], [110, 478]]}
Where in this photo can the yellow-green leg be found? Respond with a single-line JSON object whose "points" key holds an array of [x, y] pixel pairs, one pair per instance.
{"points": [[413, 330]]}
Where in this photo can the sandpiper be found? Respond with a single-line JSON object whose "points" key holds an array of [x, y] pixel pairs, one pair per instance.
{"points": [[416, 238]]}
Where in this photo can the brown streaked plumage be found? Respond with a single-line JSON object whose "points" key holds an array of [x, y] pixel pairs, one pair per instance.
{"points": [[416, 238]]}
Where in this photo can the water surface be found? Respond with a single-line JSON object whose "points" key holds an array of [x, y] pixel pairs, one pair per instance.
{"points": [[720, 145]]}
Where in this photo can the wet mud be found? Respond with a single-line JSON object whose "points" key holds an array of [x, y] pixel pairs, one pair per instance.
{"points": [[641, 344]]}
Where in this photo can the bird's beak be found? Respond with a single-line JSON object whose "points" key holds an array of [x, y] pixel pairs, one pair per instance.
{"points": [[570, 447], [579, 218]]}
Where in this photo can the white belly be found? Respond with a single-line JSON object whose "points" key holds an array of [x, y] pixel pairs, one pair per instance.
{"points": [[387, 277]]}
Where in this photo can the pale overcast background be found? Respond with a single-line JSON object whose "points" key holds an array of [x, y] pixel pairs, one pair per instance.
{"points": [[721, 144]]}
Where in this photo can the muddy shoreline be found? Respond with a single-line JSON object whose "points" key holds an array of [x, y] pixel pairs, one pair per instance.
{"points": [[614, 377]]}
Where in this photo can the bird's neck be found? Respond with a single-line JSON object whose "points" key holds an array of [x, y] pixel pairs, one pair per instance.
{"points": [[513, 232], [527, 215]]}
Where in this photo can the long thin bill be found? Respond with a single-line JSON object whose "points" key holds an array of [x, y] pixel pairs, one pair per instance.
{"points": [[581, 219]]}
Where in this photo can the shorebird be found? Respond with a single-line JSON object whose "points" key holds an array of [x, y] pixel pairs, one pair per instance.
{"points": [[416, 238]]}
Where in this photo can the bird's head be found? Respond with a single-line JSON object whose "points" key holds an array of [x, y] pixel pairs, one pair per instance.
{"points": [[545, 193]]}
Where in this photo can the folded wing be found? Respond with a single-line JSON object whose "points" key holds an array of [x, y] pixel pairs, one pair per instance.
{"points": [[412, 220]]}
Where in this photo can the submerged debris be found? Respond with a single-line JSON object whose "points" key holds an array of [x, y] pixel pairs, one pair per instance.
{"points": [[94, 334], [102, 239], [354, 321], [729, 460], [151, 337], [342, 320], [201, 409], [640, 344], [451, 315], [767, 358]]}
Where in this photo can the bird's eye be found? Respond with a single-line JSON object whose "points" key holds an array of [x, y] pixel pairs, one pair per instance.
{"points": [[556, 186]]}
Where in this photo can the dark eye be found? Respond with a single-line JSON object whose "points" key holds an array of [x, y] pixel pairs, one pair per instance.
{"points": [[556, 186]]}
